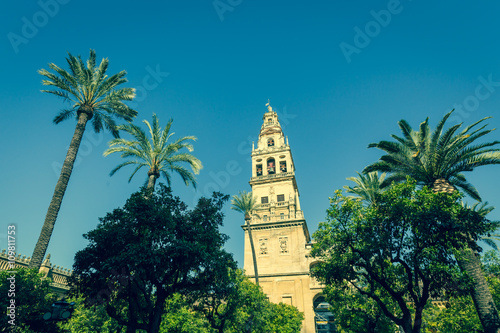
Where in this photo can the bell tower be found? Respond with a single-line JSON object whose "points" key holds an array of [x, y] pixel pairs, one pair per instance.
{"points": [[279, 229]]}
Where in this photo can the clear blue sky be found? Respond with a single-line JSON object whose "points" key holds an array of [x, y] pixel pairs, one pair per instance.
{"points": [[339, 73]]}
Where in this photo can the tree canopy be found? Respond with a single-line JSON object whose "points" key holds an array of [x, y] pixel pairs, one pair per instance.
{"points": [[400, 252], [150, 249], [32, 299]]}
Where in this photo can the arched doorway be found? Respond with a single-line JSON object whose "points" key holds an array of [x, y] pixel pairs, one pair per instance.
{"points": [[323, 318]]}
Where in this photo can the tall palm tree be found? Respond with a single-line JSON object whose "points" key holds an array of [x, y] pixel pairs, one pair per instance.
{"points": [[437, 159], [156, 153], [94, 97], [245, 203], [367, 187]]}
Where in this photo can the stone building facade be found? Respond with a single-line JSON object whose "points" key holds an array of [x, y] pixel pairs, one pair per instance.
{"points": [[58, 275], [279, 229]]}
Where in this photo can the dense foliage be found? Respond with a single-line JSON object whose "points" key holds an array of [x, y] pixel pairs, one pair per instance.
{"points": [[143, 253], [235, 304], [33, 298], [399, 252]]}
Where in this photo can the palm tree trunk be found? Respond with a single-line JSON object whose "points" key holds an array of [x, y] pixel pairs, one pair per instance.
{"points": [[256, 272], [151, 183], [481, 294], [55, 203], [469, 262]]}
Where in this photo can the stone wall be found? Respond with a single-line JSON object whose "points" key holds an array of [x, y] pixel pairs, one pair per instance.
{"points": [[58, 275]]}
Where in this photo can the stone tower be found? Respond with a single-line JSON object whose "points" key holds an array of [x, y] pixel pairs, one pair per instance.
{"points": [[279, 230]]}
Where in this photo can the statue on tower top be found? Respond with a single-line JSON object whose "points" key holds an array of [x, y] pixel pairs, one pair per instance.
{"points": [[269, 107]]}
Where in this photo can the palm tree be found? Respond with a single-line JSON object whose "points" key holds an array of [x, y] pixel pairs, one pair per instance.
{"points": [[157, 154], [437, 159], [484, 209], [367, 187], [93, 97], [245, 203]]}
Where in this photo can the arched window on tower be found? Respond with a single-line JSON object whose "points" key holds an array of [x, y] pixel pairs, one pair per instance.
{"points": [[283, 166], [271, 166], [270, 142], [259, 169]]}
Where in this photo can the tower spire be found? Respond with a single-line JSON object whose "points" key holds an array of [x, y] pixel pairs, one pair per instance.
{"points": [[269, 107], [278, 225]]}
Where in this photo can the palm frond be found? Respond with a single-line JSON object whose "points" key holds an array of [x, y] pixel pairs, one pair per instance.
{"points": [[63, 115], [368, 187], [91, 90], [155, 152], [244, 203], [441, 154]]}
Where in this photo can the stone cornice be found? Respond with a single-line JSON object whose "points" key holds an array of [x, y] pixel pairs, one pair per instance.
{"points": [[269, 178], [279, 225], [279, 274], [270, 150]]}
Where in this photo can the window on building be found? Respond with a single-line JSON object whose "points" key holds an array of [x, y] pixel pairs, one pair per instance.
{"points": [[271, 166], [259, 169], [270, 142], [282, 216], [283, 166], [281, 197], [287, 300], [264, 218], [264, 200]]}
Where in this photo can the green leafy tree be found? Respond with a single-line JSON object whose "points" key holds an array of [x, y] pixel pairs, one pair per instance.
{"points": [[356, 312], [32, 299], [438, 159], [399, 252], [94, 97], [245, 203], [89, 319], [235, 304], [282, 318], [143, 253], [160, 156], [254, 313], [459, 314], [220, 302], [179, 317]]}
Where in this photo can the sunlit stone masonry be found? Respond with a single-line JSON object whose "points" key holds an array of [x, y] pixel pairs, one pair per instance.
{"points": [[279, 230]]}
